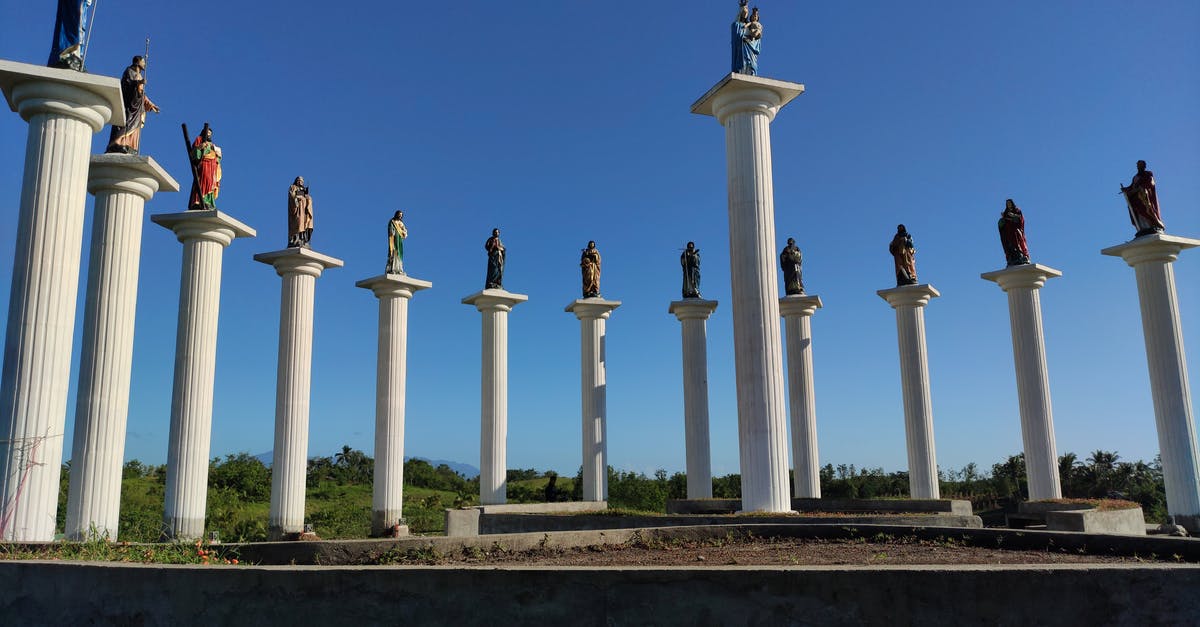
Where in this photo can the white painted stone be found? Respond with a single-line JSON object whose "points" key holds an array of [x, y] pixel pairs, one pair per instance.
{"points": [[204, 235], [745, 106], [909, 302], [122, 184], [1022, 284], [797, 311], [391, 380], [64, 109], [1151, 257], [299, 269], [494, 305], [593, 361], [693, 314]]}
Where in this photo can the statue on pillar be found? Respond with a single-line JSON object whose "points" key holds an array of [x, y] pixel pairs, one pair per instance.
{"points": [[495, 264], [397, 232], [790, 259], [746, 38], [1142, 200], [589, 262], [300, 215], [70, 34], [905, 257], [1012, 234], [128, 139], [205, 157], [690, 260]]}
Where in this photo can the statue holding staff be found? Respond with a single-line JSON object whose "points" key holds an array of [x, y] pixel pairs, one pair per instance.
{"points": [[300, 215], [71, 27], [589, 263], [397, 233], [790, 259], [690, 260], [1012, 234], [904, 255], [205, 157], [1142, 199], [128, 139], [495, 265]]}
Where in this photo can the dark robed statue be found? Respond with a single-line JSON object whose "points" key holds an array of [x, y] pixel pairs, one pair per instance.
{"points": [[1012, 234], [589, 263], [746, 40], [905, 257], [789, 260], [690, 260], [300, 215], [1142, 200], [128, 139], [70, 28], [206, 169], [397, 232], [495, 263]]}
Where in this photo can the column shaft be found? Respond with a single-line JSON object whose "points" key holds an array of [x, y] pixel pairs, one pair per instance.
{"points": [[1033, 393], [595, 410], [391, 371], [493, 432], [695, 408], [806, 470], [918, 406], [292, 392]]}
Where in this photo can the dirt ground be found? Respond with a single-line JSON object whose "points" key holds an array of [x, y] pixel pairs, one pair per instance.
{"points": [[750, 550]]}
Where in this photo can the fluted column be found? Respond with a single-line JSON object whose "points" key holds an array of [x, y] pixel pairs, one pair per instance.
{"points": [[909, 302], [299, 268], [797, 311], [1152, 258], [745, 106], [494, 305], [693, 315], [1022, 283], [593, 362], [122, 185], [391, 376], [204, 235], [64, 108]]}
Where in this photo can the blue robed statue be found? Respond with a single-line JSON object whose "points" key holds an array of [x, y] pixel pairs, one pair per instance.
{"points": [[70, 25], [746, 39]]}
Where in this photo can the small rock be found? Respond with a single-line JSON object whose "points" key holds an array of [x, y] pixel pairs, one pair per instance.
{"points": [[699, 558]]}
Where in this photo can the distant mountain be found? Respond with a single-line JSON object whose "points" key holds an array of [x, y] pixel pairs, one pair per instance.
{"points": [[466, 470], [266, 458]]}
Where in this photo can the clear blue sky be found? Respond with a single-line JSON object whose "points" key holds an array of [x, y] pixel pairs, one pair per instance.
{"points": [[562, 122]]}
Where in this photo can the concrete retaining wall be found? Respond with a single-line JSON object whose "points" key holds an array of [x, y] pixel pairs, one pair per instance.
{"points": [[526, 523], [466, 521], [898, 506], [66, 593]]}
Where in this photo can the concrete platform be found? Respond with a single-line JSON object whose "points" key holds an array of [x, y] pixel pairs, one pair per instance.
{"points": [[956, 507]]}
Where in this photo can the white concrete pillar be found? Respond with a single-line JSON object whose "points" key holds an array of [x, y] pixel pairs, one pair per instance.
{"points": [[593, 361], [1151, 257], [391, 376], [1022, 283], [204, 235], [494, 305], [909, 302], [797, 311], [693, 315], [299, 269], [745, 106], [64, 109], [122, 185]]}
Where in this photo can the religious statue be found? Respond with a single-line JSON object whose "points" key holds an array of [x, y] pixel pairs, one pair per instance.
{"points": [[589, 262], [127, 139], [206, 169], [746, 39], [495, 264], [690, 260], [1142, 200], [905, 256], [300, 215], [790, 259], [397, 233], [1012, 234], [70, 29]]}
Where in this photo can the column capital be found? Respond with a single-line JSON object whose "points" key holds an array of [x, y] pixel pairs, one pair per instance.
{"points": [[692, 308], [298, 261], [799, 305], [592, 308], [394, 285], [33, 89], [134, 174], [210, 224], [1152, 247], [1027, 275], [737, 93], [494, 300], [909, 295]]}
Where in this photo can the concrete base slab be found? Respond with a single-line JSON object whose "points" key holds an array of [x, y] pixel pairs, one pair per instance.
{"points": [[956, 507]]}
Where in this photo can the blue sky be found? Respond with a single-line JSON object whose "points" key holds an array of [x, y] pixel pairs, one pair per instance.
{"points": [[563, 122]]}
